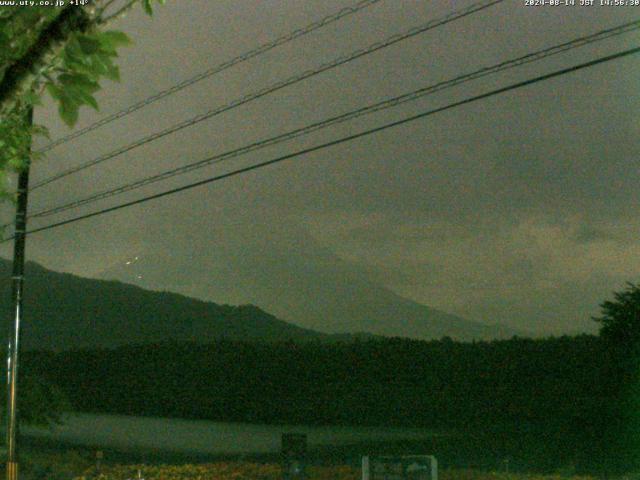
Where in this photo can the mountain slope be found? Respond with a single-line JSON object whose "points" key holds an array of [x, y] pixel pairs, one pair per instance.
{"points": [[64, 311], [290, 275]]}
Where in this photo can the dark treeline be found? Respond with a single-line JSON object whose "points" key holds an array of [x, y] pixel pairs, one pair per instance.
{"points": [[571, 393]]}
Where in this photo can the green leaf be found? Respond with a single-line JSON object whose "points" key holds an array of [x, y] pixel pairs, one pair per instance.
{"points": [[115, 38], [111, 40], [73, 53], [68, 111], [90, 66], [38, 129], [68, 106], [5, 38], [80, 96], [92, 102], [88, 44], [54, 91], [85, 67], [17, 163], [79, 80], [147, 7], [72, 91], [32, 98], [113, 73], [100, 65]]}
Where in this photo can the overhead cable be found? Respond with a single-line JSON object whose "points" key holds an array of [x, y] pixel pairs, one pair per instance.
{"points": [[339, 141], [264, 48], [456, 15], [382, 105]]}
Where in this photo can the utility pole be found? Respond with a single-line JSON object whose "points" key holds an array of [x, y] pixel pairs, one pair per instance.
{"points": [[17, 283]]}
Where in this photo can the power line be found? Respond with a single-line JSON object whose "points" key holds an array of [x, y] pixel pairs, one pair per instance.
{"points": [[264, 48], [275, 87], [382, 105], [348, 138]]}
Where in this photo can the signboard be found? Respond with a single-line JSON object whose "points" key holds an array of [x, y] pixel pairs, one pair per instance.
{"points": [[406, 467]]}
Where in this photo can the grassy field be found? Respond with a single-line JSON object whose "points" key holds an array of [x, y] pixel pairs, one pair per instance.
{"points": [[254, 471], [46, 463]]}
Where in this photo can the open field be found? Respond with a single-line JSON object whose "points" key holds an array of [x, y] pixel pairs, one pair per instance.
{"points": [[254, 471], [40, 463]]}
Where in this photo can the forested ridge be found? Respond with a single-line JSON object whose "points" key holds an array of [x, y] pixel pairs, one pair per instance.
{"points": [[571, 393]]}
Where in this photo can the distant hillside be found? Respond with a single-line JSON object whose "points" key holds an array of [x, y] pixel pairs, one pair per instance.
{"points": [[300, 282], [64, 311]]}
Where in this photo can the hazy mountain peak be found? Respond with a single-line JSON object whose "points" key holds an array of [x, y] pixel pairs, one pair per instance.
{"points": [[287, 272]]}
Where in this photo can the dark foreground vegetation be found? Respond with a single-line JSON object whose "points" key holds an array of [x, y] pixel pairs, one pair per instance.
{"points": [[570, 403], [78, 465], [555, 402]]}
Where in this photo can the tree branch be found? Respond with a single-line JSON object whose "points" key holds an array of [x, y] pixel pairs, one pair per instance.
{"points": [[102, 9], [118, 13], [22, 74]]}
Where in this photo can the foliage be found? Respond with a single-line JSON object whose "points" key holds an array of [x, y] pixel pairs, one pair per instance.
{"points": [[379, 382], [620, 330], [546, 401], [42, 465], [85, 59], [41, 401], [620, 319], [19, 30], [217, 471], [147, 5], [15, 142], [64, 51], [252, 471]]}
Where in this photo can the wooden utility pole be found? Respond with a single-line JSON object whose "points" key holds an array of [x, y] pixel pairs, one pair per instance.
{"points": [[17, 283]]}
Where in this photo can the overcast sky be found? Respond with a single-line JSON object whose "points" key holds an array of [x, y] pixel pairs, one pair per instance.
{"points": [[521, 209]]}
